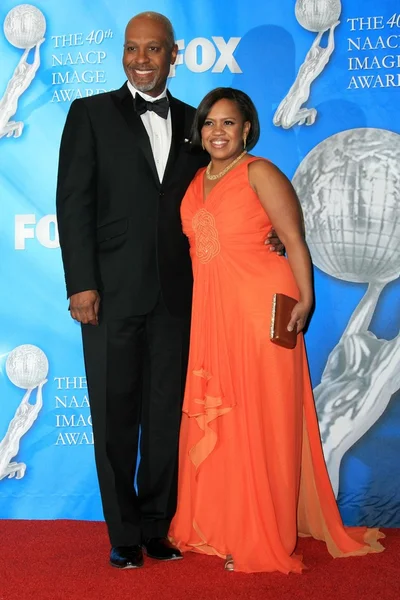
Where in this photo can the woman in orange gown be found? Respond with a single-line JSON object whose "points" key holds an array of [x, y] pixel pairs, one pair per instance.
{"points": [[252, 475]]}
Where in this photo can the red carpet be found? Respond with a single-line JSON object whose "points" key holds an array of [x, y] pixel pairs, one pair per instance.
{"points": [[67, 560]]}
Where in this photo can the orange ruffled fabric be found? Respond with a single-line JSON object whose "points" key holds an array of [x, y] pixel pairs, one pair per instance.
{"points": [[252, 476]]}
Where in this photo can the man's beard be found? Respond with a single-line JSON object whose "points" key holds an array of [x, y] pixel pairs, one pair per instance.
{"points": [[146, 86]]}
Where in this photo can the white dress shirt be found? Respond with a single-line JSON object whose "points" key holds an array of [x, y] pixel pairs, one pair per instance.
{"points": [[158, 129]]}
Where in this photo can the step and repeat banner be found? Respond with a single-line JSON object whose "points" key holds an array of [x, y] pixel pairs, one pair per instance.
{"points": [[325, 77]]}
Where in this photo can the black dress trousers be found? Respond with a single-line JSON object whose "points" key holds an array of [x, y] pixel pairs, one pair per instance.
{"points": [[136, 370]]}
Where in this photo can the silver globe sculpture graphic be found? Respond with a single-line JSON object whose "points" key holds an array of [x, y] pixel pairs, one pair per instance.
{"points": [[317, 15], [27, 366], [24, 26], [349, 188]]}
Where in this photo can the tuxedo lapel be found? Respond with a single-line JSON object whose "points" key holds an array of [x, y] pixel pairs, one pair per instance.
{"points": [[124, 102], [177, 138]]}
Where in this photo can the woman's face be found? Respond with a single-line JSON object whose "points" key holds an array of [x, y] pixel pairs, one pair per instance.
{"points": [[223, 130]]}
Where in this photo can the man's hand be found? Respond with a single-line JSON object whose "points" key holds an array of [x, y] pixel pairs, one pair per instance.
{"points": [[84, 307], [274, 243]]}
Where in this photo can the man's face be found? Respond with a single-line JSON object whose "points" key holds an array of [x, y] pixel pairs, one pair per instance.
{"points": [[147, 56]]}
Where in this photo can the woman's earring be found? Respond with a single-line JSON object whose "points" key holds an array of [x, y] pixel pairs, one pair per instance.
{"points": [[202, 144], [244, 142]]}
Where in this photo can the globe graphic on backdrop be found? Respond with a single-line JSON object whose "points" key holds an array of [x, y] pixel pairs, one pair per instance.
{"points": [[317, 15], [349, 189], [27, 366], [24, 26]]}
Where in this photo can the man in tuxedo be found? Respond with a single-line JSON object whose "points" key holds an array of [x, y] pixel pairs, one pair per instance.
{"points": [[125, 163]]}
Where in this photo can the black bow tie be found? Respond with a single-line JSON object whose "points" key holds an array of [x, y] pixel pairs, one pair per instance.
{"points": [[160, 107]]}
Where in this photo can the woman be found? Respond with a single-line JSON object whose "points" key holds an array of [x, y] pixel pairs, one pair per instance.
{"points": [[252, 476]]}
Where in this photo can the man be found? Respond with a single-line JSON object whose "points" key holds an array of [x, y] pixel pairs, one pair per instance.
{"points": [[125, 164]]}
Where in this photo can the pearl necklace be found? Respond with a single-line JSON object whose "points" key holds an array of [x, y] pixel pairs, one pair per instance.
{"points": [[222, 173]]}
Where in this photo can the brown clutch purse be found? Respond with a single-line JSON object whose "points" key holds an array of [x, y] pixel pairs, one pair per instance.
{"points": [[282, 307]]}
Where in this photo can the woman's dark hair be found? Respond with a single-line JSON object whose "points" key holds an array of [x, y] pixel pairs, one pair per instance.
{"points": [[242, 101]]}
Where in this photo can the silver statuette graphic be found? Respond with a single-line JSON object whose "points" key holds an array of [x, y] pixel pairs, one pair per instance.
{"points": [[24, 28], [27, 367], [349, 189], [317, 16]]}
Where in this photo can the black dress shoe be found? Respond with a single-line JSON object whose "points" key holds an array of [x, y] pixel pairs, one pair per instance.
{"points": [[161, 549], [126, 557]]}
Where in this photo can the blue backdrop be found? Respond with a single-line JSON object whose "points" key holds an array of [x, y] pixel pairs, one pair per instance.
{"points": [[349, 185]]}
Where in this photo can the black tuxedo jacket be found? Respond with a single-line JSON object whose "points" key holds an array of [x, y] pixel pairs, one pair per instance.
{"points": [[119, 227]]}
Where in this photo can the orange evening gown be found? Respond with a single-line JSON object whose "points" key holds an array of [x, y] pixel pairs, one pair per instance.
{"points": [[252, 475]]}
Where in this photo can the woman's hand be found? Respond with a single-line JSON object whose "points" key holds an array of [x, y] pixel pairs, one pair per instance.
{"points": [[300, 314]]}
